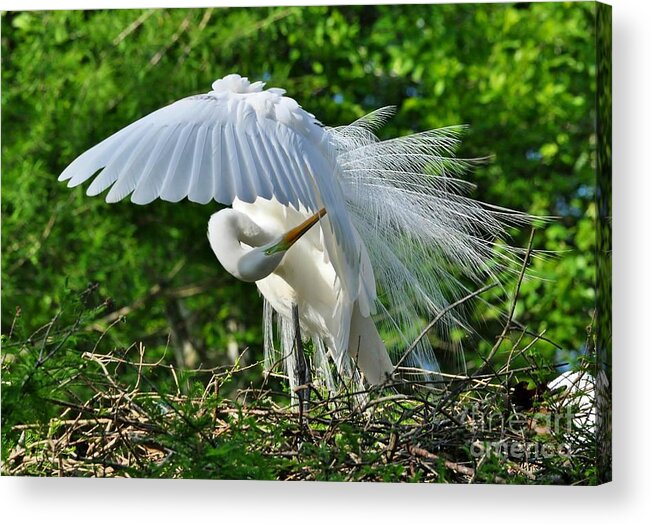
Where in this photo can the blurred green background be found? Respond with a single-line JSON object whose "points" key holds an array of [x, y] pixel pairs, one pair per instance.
{"points": [[522, 76]]}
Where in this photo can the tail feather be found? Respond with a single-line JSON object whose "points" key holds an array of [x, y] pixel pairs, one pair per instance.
{"points": [[424, 235], [366, 349]]}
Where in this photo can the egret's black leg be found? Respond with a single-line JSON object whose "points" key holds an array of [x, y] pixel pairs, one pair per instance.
{"points": [[302, 370]]}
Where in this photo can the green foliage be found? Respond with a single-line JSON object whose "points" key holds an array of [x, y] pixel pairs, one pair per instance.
{"points": [[521, 76], [73, 405], [33, 375]]}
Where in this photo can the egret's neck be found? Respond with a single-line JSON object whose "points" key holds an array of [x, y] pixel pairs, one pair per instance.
{"points": [[239, 244]]}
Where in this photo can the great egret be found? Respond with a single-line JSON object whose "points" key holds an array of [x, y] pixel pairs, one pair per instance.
{"points": [[366, 211], [575, 390]]}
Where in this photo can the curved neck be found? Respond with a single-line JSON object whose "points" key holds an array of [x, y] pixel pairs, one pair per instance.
{"points": [[239, 244]]}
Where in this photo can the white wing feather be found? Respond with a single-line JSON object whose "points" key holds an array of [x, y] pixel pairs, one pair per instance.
{"points": [[197, 144], [398, 202], [423, 235], [236, 141]]}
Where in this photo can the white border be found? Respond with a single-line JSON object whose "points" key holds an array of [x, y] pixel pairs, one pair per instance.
{"points": [[164, 501], [22, 5]]}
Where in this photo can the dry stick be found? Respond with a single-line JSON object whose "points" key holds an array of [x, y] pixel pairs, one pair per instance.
{"points": [[92, 411], [105, 331], [507, 367], [187, 49], [154, 291], [155, 59], [480, 380], [514, 301], [438, 318], [41, 352], [523, 269], [520, 328], [133, 26], [188, 421], [38, 244], [43, 358], [217, 371], [506, 328], [259, 25], [13, 325], [69, 431], [141, 354], [109, 377], [456, 467], [512, 354]]}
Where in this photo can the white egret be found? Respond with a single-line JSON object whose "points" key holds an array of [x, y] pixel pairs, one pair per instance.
{"points": [[367, 212], [575, 392]]}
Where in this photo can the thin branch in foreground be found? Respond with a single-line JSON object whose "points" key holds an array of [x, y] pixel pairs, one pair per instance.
{"points": [[438, 317], [514, 301]]}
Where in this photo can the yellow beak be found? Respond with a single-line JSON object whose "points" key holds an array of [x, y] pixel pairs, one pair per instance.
{"points": [[293, 235]]}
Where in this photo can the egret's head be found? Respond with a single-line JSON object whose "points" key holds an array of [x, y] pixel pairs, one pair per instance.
{"points": [[261, 261], [287, 240], [244, 249]]}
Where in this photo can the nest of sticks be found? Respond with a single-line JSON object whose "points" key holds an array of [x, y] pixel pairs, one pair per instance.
{"points": [[447, 429], [110, 415]]}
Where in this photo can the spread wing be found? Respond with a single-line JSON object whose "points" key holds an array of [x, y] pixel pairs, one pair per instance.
{"points": [[237, 141]]}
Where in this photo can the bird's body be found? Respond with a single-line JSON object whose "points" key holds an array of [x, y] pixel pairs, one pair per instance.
{"points": [[306, 278], [330, 219], [576, 395]]}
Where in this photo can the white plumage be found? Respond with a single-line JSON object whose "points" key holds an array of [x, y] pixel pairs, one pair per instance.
{"points": [[575, 391], [395, 216]]}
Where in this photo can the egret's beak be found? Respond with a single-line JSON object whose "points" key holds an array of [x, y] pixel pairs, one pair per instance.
{"points": [[293, 235]]}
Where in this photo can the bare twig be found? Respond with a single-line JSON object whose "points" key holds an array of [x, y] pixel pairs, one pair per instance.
{"points": [[133, 26], [514, 301], [436, 319]]}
